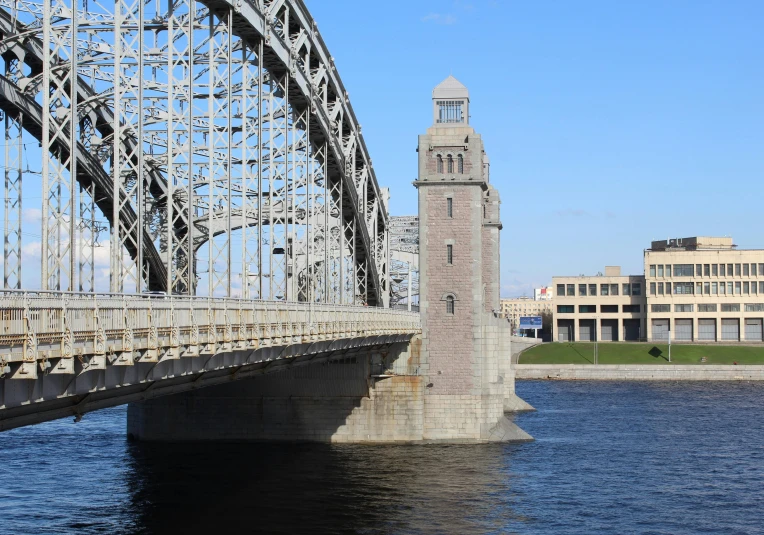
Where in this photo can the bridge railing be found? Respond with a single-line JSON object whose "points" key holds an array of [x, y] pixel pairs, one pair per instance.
{"points": [[53, 328]]}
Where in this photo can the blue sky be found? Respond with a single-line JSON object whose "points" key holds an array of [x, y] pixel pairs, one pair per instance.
{"points": [[609, 124]]}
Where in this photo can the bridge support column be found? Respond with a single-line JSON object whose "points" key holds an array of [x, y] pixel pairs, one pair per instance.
{"points": [[464, 344]]}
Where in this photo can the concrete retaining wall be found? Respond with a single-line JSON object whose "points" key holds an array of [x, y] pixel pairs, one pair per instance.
{"points": [[639, 372]]}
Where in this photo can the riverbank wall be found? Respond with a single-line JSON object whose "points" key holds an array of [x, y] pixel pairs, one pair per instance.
{"points": [[639, 372]]}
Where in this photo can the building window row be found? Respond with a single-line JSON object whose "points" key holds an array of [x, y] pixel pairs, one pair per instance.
{"points": [[450, 164], [708, 307], [592, 309], [707, 270], [584, 290], [708, 288]]}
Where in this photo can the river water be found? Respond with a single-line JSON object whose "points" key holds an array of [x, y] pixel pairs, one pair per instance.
{"points": [[609, 457]]}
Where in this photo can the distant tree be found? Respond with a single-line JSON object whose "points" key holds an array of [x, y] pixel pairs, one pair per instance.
{"points": [[546, 326]]}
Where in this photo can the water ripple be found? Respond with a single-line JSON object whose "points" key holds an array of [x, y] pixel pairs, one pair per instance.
{"points": [[610, 458]]}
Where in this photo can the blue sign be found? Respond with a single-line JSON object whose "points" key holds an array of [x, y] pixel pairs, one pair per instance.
{"points": [[530, 322]]}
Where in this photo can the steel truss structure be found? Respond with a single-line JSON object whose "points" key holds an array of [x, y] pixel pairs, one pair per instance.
{"points": [[404, 261], [213, 139]]}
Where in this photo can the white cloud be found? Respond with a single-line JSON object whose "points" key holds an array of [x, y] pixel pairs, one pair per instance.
{"points": [[31, 215], [31, 250], [440, 18], [101, 253]]}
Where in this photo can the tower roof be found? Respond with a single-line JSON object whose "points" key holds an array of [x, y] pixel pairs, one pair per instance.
{"points": [[450, 88]]}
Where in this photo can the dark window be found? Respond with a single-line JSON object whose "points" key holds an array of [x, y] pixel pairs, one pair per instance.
{"points": [[722, 270], [592, 289], [668, 288], [745, 287], [729, 270], [450, 304], [754, 307], [698, 270], [683, 270], [587, 309], [683, 288], [706, 270], [461, 164], [450, 206], [753, 270], [636, 288], [737, 270], [604, 289], [707, 307], [715, 270], [707, 288], [660, 288], [614, 289], [609, 309], [565, 309], [668, 270], [731, 308], [745, 270], [450, 164], [582, 290], [571, 290], [560, 290], [450, 253], [660, 308], [653, 288], [440, 164], [626, 288], [683, 308], [631, 308]]}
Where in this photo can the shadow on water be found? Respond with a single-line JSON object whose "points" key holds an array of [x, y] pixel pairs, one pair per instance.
{"points": [[293, 488]]}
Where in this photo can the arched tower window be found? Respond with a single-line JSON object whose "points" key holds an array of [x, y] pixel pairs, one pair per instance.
{"points": [[450, 304], [461, 164], [440, 164], [450, 164]]}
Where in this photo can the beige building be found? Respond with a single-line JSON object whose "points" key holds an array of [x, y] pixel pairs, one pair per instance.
{"points": [[514, 308], [704, 289], [605, 307]]}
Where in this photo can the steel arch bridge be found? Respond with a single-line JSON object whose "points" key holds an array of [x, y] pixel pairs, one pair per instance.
{"points": [[213, 139]]}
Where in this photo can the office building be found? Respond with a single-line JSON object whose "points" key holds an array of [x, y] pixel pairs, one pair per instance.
{"points": [[704, 289], [606, 307]]}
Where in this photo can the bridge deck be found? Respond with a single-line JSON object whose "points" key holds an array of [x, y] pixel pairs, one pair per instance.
{"points": [[64, 353]]}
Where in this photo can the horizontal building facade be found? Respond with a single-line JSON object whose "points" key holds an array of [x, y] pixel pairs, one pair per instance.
{"points": [[704, 289], [608, 307], [514, 308]]}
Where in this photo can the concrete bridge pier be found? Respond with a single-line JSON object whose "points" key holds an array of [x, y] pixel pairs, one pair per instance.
{"points": [[375, 396]]}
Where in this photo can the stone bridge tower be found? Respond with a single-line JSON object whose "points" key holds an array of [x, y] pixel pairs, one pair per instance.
{"points": [[465, 347]]}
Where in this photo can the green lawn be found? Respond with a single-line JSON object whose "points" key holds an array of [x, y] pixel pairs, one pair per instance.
{"points": [[637, 353]]}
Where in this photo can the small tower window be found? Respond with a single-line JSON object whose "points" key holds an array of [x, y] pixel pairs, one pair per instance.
{"points": [[450, 164], [450, 207], [450, 111], [461, 164], [450, 254], [450, 304], [440, 164]]}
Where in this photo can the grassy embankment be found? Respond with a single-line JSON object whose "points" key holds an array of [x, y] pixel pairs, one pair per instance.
{"points": [[637, 353]]}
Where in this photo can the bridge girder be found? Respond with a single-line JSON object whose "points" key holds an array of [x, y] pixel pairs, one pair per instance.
{"points": [[208, 103]]}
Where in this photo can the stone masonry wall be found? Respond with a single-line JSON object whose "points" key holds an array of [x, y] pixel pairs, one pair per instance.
{"points": [[450, 336]]}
